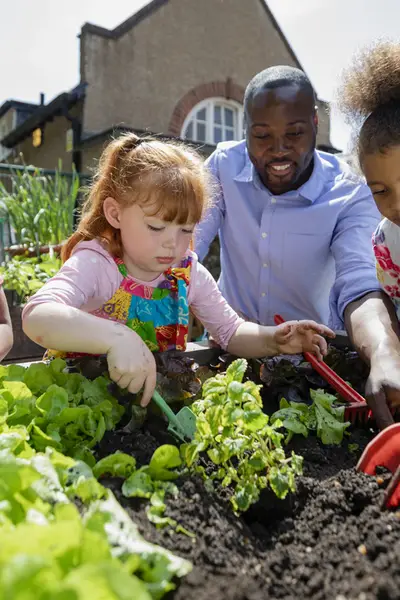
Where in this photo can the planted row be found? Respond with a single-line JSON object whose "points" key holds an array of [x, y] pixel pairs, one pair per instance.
{"points": [[50, 550]]}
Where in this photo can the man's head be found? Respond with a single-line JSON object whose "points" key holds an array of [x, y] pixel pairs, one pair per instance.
{"points": [[281, 127]]}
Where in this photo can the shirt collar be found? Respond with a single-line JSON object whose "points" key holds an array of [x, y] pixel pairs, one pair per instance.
{"points": [[310, 190]]}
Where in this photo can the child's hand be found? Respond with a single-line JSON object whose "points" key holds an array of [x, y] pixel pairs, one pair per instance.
{"points": [[6, 333], [132, 366], [296, 337]]}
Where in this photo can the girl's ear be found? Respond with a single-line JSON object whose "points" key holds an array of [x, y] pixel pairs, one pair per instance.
{"points": [[112, 212]]}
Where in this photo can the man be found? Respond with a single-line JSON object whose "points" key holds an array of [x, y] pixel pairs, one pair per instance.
{"points": [[295, 229]]}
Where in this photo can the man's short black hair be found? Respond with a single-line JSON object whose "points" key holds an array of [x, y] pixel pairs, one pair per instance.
{"points": [[276, 77]]}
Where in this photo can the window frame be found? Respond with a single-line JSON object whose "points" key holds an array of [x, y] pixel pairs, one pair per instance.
{"points": [[209, 104]]}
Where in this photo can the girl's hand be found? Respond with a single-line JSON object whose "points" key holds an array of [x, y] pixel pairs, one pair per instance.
{"points": [[296, 337], [132, 366]]}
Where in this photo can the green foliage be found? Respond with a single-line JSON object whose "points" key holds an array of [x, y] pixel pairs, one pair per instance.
{"points": [[60, 410], [118, 464], [40, 208], [153, 482], [27, 275], [322, 417], [49, 550], [239, 439]]}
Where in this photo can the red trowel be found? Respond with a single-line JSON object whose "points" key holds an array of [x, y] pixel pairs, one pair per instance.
{"points": [[384, 451]]}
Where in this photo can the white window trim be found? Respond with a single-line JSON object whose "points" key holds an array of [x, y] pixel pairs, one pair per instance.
{"points": [[209, 104]]}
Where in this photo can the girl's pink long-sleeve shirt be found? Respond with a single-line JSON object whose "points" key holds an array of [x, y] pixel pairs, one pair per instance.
{"points": [[90, 277]]}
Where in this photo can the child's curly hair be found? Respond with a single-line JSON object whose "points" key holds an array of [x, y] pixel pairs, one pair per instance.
{"points": [[369, 97]]}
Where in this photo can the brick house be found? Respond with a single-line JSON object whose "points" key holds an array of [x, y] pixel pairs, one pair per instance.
{"points": [[176, 67]]}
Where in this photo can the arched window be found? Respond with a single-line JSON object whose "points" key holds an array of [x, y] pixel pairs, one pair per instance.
{"points": [[214, 120]]}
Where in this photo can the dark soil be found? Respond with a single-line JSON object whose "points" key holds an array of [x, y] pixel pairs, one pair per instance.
{"points": [[329, 541]]}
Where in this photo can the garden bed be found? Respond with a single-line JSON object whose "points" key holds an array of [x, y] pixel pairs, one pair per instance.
{"points": [[24, 348], [328, 541]]}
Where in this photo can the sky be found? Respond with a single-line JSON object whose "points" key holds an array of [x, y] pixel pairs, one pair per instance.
{"points": [[40, 47]]}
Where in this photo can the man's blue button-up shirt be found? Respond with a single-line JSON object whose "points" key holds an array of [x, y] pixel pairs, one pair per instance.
{"points": [[303, 254]]}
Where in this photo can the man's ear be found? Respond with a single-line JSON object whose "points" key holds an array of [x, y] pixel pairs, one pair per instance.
{"points": [[112, 212], [315, 118]]}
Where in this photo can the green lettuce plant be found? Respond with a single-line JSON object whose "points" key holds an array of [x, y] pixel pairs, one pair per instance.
{"points": [[321, 417]]}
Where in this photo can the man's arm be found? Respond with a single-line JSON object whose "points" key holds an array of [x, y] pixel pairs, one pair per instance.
{"points": [[356, 298], [208, 228], [373, 328]]}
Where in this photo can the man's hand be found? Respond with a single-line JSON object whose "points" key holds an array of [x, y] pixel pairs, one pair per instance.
{"points": [[372, 325], [383, 386], [296, 337]]}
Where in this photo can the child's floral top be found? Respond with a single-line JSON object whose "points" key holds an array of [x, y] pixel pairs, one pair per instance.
{"points": [[386, 244]]}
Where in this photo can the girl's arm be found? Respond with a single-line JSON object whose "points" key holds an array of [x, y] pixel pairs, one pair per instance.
{"points": [[53, 318], [294, 337], [60, 327], [246, 339], [6, 334]]}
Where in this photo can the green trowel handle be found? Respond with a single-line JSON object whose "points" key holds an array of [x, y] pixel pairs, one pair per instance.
{"points": [[171, 416]]}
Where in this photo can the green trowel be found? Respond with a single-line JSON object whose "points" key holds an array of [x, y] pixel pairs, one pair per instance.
{"points": [[181, 425]]}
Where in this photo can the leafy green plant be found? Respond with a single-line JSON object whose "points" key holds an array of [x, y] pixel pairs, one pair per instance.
{"points": [[26, 276], [238, 438], [61, 410], [40, 208], [321, 417], [118, 464], [50, 550], [151, 481]]}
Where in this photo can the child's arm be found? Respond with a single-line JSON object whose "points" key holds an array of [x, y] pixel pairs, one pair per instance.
{"points": [[294, 337], [53, 318], [6, 334], [60, 327], [245, 339]]}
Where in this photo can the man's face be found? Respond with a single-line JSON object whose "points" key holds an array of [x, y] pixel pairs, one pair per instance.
{"points": [[281, 131]]}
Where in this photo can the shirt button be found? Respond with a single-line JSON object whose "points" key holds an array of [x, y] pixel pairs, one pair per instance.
{"points": [[265, 265], [264, 235], [273, 200], [263, 294]]}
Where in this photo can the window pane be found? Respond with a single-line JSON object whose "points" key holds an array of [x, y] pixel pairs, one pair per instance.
{"points": [[228, 117], [217, 114], [229, 135], [217, 135], [201, 115], [201, 132], [189, 131]]}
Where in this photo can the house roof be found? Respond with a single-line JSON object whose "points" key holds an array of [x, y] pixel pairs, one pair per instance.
{"points": [[25, 106], [127, 25], [106, 134], [42, 114], [153, 6]]}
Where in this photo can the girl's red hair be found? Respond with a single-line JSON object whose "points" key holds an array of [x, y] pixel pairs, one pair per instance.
{"points": [[168, 176]]}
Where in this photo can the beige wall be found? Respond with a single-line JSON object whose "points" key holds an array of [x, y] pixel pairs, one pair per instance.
{"points": [[52, 149], [6, 125], [324, 123], [90, 158], [7, 121], [138, 79]]}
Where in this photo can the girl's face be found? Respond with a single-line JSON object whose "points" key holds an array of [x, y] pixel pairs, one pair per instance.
{"points": [[150, 245], [382, 172]]}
